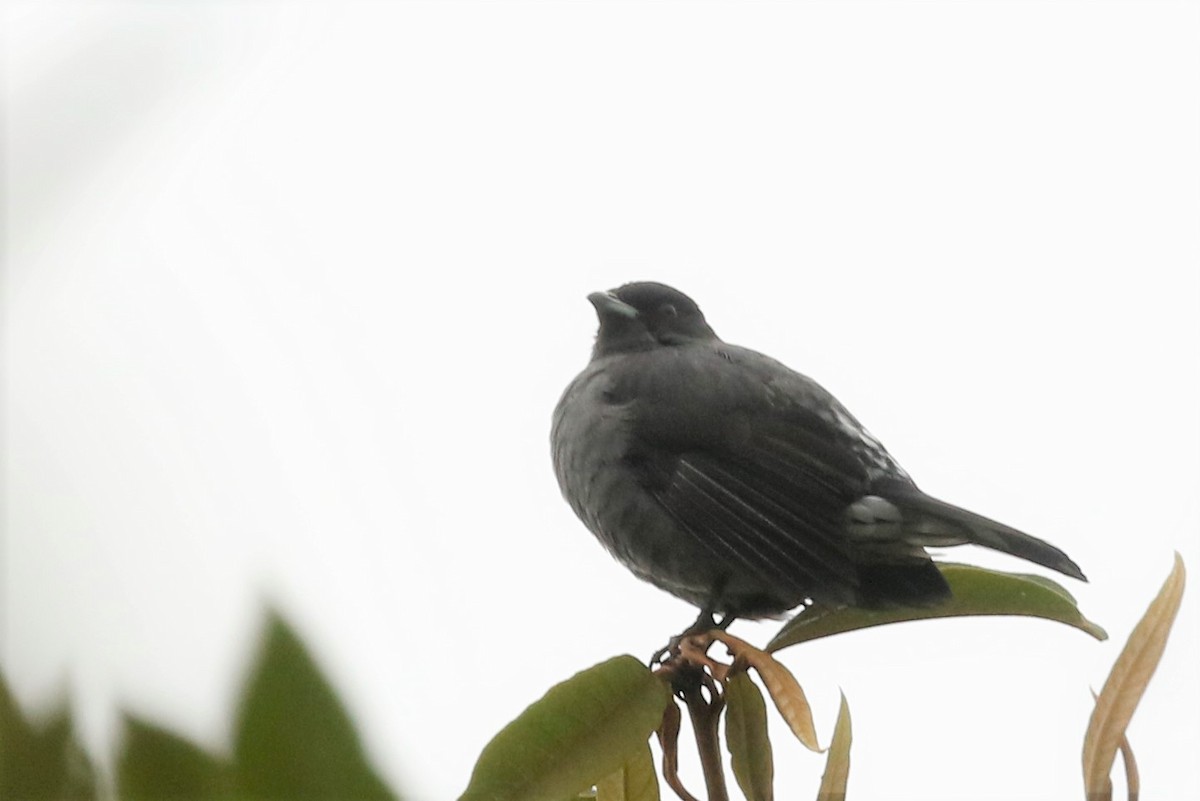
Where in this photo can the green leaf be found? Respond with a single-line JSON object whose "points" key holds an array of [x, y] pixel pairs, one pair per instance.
{"points": [[837, 764], [976, 591], [635, 781], [41, 762], [747, 738], [293, 738], [578, 733], [156, 764]]}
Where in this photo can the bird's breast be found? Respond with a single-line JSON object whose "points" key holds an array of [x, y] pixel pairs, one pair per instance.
{"points": [[590, 440]]}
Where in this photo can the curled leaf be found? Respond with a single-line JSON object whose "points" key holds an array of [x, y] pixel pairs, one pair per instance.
{"points": [[976, 591], [837, 764], [1133, 781], [668, 739], [1126, 683], [785, 691]]}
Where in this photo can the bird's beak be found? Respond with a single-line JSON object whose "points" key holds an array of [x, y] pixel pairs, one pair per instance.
{"points": [[607, 303]]}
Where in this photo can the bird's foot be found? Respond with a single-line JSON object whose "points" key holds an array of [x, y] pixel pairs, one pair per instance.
{"points": [[705, 622]]}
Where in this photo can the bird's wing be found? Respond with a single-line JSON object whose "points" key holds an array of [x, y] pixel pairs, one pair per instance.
{"points": [[758, 462], [779, 527]]}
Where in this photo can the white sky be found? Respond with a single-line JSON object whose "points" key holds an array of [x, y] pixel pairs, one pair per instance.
{"points": [[291, 291]]}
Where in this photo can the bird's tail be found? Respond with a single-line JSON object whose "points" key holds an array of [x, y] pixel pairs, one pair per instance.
{"points": [[930, 522]]}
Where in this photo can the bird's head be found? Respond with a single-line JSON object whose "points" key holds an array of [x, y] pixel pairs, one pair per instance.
{"points": [[644, 314]]}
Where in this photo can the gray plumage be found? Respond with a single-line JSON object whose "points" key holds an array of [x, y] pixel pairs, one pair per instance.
{"points": [[735, 483]]}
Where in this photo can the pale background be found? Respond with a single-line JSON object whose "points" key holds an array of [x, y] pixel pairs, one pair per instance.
{"points": [[291, 290]]}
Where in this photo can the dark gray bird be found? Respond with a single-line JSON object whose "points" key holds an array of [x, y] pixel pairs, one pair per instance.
{"points": [[733, 482]]}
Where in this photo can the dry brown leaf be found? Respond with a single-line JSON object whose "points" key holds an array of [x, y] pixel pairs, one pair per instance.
{"points": [[1126, 683], [668, 739], [1133, 782], [785, 691], [837, 764]]}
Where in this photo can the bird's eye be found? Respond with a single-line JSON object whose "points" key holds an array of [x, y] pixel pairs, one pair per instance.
{"points": [[669, 310]]}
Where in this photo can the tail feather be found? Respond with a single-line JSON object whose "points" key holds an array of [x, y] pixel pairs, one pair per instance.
{"points": [[889, 584], [932, 522]]}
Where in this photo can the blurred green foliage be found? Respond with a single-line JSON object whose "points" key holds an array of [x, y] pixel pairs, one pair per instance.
{"points": [[41, 761], [293, 740]]}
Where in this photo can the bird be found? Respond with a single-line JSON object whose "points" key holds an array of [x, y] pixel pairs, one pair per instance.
{"points": [[735, 483]]}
